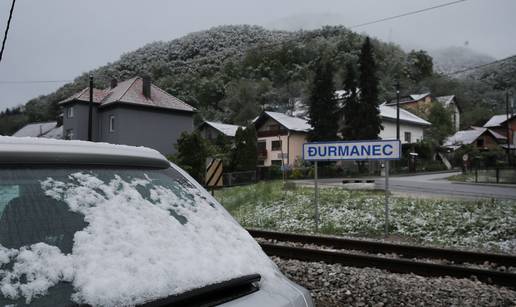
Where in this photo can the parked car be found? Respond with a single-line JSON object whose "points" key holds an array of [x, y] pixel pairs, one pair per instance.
{"points": [[108, 225]]}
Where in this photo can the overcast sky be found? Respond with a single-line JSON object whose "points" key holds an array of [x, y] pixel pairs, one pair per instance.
{"points": [[59, 39]]}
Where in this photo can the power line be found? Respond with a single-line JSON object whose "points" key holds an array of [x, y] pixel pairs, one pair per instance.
{"points": [[405, 14], [371, 22], [479, 66], [7, 30]]}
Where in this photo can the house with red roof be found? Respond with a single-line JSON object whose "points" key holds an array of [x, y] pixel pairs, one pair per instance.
{"points": [[504, 124], [420, 104], [479, 137], [133, 112]]}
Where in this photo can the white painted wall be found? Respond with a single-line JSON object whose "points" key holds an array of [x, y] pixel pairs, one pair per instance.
{"points": [[455, 117], [389, 132], [294, 152], [274, 154]]}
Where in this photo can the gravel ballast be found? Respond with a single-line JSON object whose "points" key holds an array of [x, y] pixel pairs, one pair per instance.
{"points": [[484, 266], [338, 285]]}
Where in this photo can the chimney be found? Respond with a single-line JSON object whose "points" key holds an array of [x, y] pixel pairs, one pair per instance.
{"points": [[146, 89], [114, 82]]}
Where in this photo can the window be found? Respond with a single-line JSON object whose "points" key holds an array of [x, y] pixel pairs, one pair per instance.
{"points": [[480, 143], [261, 146], [29, 215], [69, 134], [408, 137], [276, 162], [261, 149], [111, 123], [276, 145], [70, 112]]}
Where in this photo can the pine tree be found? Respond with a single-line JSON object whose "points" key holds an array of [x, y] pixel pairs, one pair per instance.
{"points": [[192, 152], [244, 154], [250, 159], [368, 84], [351, 108], [322, 109]]}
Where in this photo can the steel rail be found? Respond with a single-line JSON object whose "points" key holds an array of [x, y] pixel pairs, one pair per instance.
{"points": [[375, 247], [390, 264]]}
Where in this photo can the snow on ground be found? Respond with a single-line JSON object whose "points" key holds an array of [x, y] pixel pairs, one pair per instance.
{"points": [[136, 247], [481, 224]]}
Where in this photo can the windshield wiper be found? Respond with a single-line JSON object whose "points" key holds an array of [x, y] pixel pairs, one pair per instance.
{"points": [[211, 295]]}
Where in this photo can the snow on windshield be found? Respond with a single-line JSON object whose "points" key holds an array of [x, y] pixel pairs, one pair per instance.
{"points": [[143, 241]]}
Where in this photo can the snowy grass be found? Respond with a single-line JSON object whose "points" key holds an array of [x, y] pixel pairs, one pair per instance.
{"points": [[482, 224]]}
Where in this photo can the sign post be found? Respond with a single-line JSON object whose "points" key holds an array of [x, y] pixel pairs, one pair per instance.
{"points": [[385, 150], [316, 198], [386, 198]]}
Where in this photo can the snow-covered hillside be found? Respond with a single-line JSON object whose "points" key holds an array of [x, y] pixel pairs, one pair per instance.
{"points": [[452, 59]]}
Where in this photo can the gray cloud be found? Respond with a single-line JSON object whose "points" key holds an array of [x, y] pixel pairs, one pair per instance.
{"points": [[59, 39]]}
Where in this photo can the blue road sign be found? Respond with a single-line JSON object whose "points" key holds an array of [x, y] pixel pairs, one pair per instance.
{"points": [[354, 150]]}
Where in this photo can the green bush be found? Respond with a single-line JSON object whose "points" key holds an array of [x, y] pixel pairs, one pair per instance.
{"points": [[431, 166], [297, 173], [491, 158], [275, 172]]}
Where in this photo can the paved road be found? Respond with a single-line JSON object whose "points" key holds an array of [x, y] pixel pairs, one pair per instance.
{"points": [[435, 185]]}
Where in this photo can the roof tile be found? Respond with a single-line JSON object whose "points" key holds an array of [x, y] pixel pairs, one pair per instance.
{"points": [[130, 92]]}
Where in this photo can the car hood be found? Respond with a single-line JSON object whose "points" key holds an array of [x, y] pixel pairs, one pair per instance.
{"points": [[284, 294]]}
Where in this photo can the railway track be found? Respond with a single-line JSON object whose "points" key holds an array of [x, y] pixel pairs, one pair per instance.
{"points": [[330, 246]]}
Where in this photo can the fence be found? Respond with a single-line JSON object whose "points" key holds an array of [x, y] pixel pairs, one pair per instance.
{"points": [[239, 178], [493, 175]]}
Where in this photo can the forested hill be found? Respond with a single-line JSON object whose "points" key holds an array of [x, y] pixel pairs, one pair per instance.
{"points": [[231, 73], [452, 59], [499, 74]]}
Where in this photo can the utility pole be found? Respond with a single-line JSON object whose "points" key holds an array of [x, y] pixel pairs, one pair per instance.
{"points": [[398, 109], [282, 158], [90, 114], [397, 85], [507, 123]]}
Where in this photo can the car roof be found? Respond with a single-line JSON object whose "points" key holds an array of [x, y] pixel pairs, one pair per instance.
{"points": [[29, 150]]}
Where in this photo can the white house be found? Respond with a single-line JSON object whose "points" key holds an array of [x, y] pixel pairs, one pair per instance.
{"points": [[411, 126], [281, 136], [211, 130], [449, 103]]}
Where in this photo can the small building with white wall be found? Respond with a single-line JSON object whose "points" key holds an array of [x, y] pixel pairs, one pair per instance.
{"points": [[411, 126], [450, 103], [211, 130], [280, 138]]}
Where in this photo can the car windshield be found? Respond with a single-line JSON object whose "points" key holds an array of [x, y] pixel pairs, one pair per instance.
{"points": [[113, 236]]}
